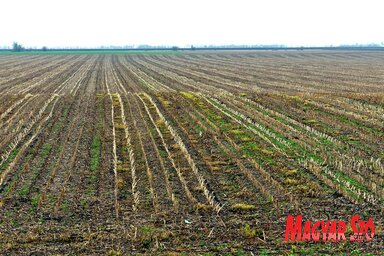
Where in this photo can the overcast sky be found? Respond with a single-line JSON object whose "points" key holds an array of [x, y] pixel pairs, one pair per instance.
{"points": [[60, 23]]}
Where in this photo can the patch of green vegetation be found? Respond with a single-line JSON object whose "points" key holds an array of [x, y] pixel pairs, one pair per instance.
{"points": [[236, 252], [348, 139], [355, 183], [221, 247], [340, 177], [93, 179], [35, 200], [65, 206], [322, 248], [327, 142], [95, 153], [14, 222], [326, 129], [249, 148], [34, 203], [241, 135], [46, 149], [300, 152], [265, 252], [260, 130], [345, 119], [16, 176], [60, 124], [217, 119], [9, 160], [146, 234], [24, 190], [355, 123], [199, 129], [162, 153], [152, 130]]}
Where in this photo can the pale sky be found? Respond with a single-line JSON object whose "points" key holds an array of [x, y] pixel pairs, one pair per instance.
{"points": [[61, 23]]}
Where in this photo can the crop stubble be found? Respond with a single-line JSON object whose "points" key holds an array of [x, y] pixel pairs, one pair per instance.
{"points": [[181, 152]]}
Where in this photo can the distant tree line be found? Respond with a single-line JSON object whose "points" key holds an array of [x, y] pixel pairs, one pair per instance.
{"points": [[17, 47]]}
